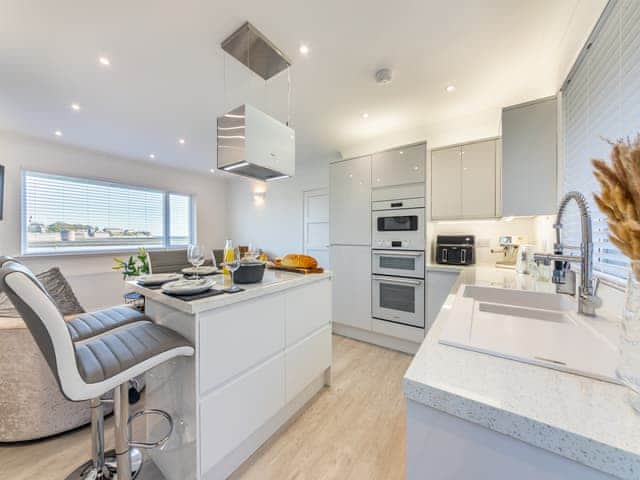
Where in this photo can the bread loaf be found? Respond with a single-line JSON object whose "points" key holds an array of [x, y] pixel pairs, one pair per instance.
{"points": [[297, 260]]}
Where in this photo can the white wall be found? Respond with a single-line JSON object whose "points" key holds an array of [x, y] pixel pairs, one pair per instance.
{"points": [[275, 224], [91, 275]]}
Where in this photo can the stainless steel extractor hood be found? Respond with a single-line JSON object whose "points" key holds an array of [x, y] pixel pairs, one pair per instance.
{"points": [[255, 51], [255, 145]]}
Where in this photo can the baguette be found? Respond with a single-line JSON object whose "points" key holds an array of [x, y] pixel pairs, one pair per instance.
{"points": [[297, 260]]}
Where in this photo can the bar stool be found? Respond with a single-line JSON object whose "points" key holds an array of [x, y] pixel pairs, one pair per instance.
{"points": [[94, 365]]}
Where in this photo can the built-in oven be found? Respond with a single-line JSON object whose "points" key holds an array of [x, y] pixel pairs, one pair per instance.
{"points": [[398, 224], [398, 300], [398, 263]]}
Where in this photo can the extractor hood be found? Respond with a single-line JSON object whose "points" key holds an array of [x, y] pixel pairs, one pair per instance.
{"points": [[256, 145]]}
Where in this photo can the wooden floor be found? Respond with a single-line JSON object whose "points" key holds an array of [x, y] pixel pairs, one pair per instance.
{"points": [[353, 430]]}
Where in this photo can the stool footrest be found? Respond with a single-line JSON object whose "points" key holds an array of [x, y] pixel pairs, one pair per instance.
{"points": [[159, 443]]}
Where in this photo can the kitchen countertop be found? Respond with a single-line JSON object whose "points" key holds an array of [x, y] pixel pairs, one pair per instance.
{"points": [[585, 420], [274, 281]]}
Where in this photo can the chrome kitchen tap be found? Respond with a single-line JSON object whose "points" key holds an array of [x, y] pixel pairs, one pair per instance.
{"points": [[563, 276]]}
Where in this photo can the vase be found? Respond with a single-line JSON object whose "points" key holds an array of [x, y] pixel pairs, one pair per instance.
{"points": [[629, 366]]}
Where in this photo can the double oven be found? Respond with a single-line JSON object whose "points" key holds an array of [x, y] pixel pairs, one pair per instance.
{"points": [[398, 261]]}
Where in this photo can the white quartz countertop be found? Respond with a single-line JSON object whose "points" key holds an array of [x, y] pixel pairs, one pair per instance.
{"points": [[585, 420], [273, 281]]}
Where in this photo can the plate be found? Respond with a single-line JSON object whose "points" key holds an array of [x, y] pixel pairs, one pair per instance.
{"points": [[188, 287], [157, 279], [201, 271]]}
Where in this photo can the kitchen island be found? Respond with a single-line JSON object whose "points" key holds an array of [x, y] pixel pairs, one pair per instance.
{"points": [[474, 415], [260, 356]]}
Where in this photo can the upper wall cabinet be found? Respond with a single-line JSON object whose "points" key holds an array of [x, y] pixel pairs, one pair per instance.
{"points": [[350, 202], [463, 181], [399, 166], [529, 158]]}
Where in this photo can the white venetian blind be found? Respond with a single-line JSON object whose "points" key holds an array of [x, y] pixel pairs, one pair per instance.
{"points": [[601, 101], [76, 215]]}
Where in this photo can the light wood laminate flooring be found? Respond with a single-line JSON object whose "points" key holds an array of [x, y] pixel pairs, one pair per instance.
{"points": [[353, 430]]}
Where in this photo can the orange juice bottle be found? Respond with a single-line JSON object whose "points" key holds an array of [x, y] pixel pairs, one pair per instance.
{"points": [[226, 257]]}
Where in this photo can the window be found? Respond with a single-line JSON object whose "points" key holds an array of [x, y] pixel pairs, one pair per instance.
{"points": [[75, 215], [601, 100]]}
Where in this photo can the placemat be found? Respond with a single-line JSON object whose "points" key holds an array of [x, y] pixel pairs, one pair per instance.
{"points": [[188, 298]]}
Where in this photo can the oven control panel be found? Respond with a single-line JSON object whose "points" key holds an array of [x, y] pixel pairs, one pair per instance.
{"points": [[404, 244]]}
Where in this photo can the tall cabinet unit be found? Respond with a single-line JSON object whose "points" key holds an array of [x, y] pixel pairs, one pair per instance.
{"points": [[529, 158], [350, 233], [464, 181]]}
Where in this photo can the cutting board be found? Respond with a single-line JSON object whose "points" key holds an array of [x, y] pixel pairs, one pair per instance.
{"points": [[273, 266]]}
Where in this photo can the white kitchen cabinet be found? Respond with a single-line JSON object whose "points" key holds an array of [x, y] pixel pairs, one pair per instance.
{"points": [[308, 308], [446, 187], [399, 166], [463, 181], [438, 287], [351, 266], [529, 158], [479, 179], [306, 360], [350, 202]]}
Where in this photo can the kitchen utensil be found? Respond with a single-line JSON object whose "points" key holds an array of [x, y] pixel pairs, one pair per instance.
{"points": [[249, 272]]}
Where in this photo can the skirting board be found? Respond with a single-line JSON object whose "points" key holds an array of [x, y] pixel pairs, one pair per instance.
{"points": [[374, 338], [280, 420]]}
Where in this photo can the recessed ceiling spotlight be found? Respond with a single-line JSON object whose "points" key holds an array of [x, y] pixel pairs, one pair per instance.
{"points": [[450, 88], [181, 141], [104, 61], [152, 156], [365, 115], [304, 49], [58, 133], [75, 107]]}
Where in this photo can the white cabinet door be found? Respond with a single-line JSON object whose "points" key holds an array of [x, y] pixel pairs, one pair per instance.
{"points": [[529, 158], [351, 267], [306, 361], [229, 348], [479, 179], [446, 195], [229, 415], [439, 285], [399, 166], [308, 309], [350, 202]]}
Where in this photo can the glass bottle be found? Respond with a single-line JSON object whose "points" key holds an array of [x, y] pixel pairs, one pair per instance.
{"points": [[227, 256]]}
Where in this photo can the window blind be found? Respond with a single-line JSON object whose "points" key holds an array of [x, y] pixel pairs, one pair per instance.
{"points": [[601, 102], [75, 215]]}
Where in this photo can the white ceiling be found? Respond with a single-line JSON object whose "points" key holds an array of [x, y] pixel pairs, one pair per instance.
{"points": [[168, 74]]}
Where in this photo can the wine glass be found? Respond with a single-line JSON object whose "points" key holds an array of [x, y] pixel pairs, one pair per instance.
{"points": [[232, 261], [214, 264], [195, 255]]}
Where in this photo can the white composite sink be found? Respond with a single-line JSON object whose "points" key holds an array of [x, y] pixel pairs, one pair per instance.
{"points": [[533, 327]]}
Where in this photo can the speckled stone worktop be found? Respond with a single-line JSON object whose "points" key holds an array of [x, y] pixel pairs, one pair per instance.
{"points": [[585, 420]]}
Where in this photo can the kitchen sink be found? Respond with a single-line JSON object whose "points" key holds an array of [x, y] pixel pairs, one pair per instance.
{"points": [[538, 328]]}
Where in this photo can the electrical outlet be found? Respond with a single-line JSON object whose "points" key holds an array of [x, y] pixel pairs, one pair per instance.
{"points": [[484, 243]]}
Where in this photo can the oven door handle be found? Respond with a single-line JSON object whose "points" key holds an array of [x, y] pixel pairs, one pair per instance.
{"points": [[416, 283], [398, 254]]}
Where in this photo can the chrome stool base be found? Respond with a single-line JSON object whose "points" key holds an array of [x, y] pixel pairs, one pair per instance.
{"points": [[87, 472]]}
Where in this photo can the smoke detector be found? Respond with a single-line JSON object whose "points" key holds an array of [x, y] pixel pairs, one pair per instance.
{"points": [[384, 76]]}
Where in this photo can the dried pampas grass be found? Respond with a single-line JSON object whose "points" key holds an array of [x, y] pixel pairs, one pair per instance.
{"points": [[619, 199]]}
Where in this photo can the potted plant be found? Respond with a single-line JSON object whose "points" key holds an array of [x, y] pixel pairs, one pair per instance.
{"points": [[619, 200], [135, 266]]}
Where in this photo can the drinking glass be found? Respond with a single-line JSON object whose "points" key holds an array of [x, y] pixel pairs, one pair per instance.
{"points": [[195, 255], [214, 264], [232, 261]]}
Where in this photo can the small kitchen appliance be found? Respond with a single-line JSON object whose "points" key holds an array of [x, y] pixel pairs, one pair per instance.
{"points": [[455, 249]]}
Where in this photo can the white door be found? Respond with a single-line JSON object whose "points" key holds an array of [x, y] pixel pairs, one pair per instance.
{"points": [[316, 225], [350, 202], [479, 180], [446, 194], [351, 282]]}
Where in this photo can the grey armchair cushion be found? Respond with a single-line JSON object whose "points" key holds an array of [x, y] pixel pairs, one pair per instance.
{"points": [[59, 289]]}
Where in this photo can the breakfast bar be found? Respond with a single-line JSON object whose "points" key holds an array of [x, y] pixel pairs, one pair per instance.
{"points": [[260, 356]]}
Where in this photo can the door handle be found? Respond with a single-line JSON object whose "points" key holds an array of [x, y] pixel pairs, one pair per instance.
{"points": [[398, 254], [416, 283]]}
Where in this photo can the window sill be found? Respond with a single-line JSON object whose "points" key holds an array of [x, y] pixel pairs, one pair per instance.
{"points": [[96, 253]]}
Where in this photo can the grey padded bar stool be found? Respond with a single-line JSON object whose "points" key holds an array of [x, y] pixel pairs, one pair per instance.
{"points": [[95, 365]]}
